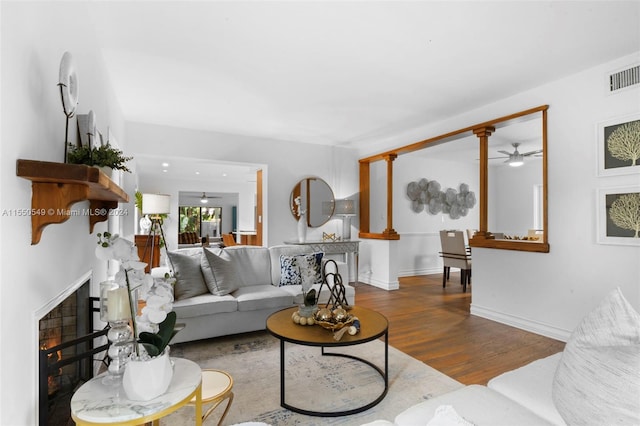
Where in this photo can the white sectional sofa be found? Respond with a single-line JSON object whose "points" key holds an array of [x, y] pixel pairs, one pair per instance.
{"points": [[519, 397], [233, 290], [594, 381]]}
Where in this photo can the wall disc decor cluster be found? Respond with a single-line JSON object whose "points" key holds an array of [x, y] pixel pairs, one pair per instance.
{"points": [[428, 196]]}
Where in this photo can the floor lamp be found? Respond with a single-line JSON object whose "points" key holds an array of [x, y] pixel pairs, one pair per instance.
{"points": [[346, 209], [155, 205]]}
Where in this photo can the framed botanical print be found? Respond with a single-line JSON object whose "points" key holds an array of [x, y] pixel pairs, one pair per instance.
{"points": [[619, 146], [619, 215]]}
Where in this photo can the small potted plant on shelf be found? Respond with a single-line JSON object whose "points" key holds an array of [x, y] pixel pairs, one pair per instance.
{"points": [[99, 156]]}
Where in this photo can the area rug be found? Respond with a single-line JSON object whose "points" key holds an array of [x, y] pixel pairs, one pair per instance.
{"points": [[313, 381]]}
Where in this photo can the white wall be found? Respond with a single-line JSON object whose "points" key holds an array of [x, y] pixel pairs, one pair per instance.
{"points": [[550, 293], [34, 37], [511, 207], [285, 164], [419, 232]]}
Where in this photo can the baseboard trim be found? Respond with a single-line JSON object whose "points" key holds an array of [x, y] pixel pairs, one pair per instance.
{"points": [[521, 323], [394, 285], [414, 272]]}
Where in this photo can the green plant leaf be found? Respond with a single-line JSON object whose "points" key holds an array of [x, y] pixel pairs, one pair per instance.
{"points": [[166, 329], [151, 349], [150, 338], [101, 156]]}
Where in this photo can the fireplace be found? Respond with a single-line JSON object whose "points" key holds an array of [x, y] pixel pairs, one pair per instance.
{"points": [[66, 342]]}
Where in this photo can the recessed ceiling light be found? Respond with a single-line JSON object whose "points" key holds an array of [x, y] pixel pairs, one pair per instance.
{"points": [[164, 171], [165, 164], [197, 172], [224, 175]]}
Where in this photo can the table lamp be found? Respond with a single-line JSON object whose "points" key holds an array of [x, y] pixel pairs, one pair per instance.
{"points": [[345, 209]]}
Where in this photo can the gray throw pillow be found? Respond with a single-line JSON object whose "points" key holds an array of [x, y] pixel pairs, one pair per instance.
{"points": [[220, 274], [189, 279], [597, 381]]}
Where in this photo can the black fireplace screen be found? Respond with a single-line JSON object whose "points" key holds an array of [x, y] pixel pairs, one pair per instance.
{"points": [[63, 367]]}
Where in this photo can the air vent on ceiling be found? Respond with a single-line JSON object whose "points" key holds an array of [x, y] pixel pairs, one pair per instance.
{"points": [[624, 78]]}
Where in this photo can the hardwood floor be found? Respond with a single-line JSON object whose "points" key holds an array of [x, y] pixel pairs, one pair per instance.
{"points": [[434, 325]]}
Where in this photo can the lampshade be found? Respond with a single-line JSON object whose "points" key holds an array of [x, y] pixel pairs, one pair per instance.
{"points": [[345, 208], [156, 204]]}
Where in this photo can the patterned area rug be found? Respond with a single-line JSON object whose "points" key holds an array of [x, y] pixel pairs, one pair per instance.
{"points": [[313, 381]]}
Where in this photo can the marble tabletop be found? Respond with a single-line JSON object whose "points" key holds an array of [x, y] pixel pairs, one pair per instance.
{"points": [[99, 403]]}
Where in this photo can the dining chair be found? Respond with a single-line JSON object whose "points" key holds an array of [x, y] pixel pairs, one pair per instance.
{"points": [[455, 255], [228, 240]]}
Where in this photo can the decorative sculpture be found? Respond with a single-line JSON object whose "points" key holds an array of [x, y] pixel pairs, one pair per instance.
{"points": [[427, 195]]}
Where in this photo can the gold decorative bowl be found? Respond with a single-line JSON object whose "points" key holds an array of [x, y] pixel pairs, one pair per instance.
{"points": [[335, 325]]}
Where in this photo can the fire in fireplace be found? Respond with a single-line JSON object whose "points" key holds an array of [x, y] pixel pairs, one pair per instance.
{"points": [[66, 341]]}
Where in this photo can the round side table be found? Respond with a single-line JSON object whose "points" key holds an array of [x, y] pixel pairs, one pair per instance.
{"points": [[216, 387]]}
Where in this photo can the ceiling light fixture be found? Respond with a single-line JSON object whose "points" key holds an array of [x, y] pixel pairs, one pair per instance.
{"points": [[516, 160], [204, 199]]}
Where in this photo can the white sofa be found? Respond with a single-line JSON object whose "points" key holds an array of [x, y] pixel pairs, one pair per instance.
{"points": [[520, 397], [594, 381], [251, 276]]}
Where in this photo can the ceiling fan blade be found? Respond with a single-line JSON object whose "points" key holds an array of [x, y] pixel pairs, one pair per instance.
{"points": [[505, 152], [496, 158], [538, 151]]}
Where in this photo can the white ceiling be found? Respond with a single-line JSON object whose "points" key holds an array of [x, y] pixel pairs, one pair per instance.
{"points": [[344, 73]]}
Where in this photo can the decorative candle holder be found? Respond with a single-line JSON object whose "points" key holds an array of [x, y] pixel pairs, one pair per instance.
{"points": [[119, 335], [115, 308]]}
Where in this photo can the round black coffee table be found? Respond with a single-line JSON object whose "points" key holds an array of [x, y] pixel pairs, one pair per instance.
{"points": [[373, 326]]}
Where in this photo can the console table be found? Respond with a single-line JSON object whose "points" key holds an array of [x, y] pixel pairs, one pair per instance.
{"points": [[346, 248]]}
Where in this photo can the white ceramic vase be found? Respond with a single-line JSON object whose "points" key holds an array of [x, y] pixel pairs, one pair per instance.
{"points": [[145, 225], [145, 380], [302, 228]]}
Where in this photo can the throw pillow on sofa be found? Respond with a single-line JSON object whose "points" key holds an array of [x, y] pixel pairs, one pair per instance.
{"points": [[289, 271], [598, 377], [189, 279], [301, 269], [220, 274]]}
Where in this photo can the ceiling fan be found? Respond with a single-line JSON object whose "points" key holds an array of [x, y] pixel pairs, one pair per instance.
{"points": [[515, 158], [204, 199]]}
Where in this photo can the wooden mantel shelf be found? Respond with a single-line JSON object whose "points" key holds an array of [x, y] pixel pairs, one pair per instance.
{"points": [[56, 187]]}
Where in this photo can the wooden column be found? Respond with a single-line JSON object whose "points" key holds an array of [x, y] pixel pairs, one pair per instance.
{"points": [[483, 134], [389, 232], [365, 194]]}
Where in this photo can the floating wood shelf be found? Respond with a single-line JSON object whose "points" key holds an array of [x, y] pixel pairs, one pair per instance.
{"points": [[56, 187]]}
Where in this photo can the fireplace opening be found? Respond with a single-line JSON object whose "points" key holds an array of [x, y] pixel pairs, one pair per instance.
{"points": [[68, 354]]}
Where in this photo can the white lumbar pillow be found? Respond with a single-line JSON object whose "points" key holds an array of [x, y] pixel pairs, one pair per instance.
{"points": [[598, 378]]}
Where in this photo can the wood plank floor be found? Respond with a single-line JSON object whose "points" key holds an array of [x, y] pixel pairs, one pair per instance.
{"points": [[434, 325]]}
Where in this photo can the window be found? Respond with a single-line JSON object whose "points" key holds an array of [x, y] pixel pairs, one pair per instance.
{"points": [[201, 221]]}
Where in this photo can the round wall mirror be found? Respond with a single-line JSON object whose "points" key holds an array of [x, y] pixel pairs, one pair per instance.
{"points": [[316, 200]]}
